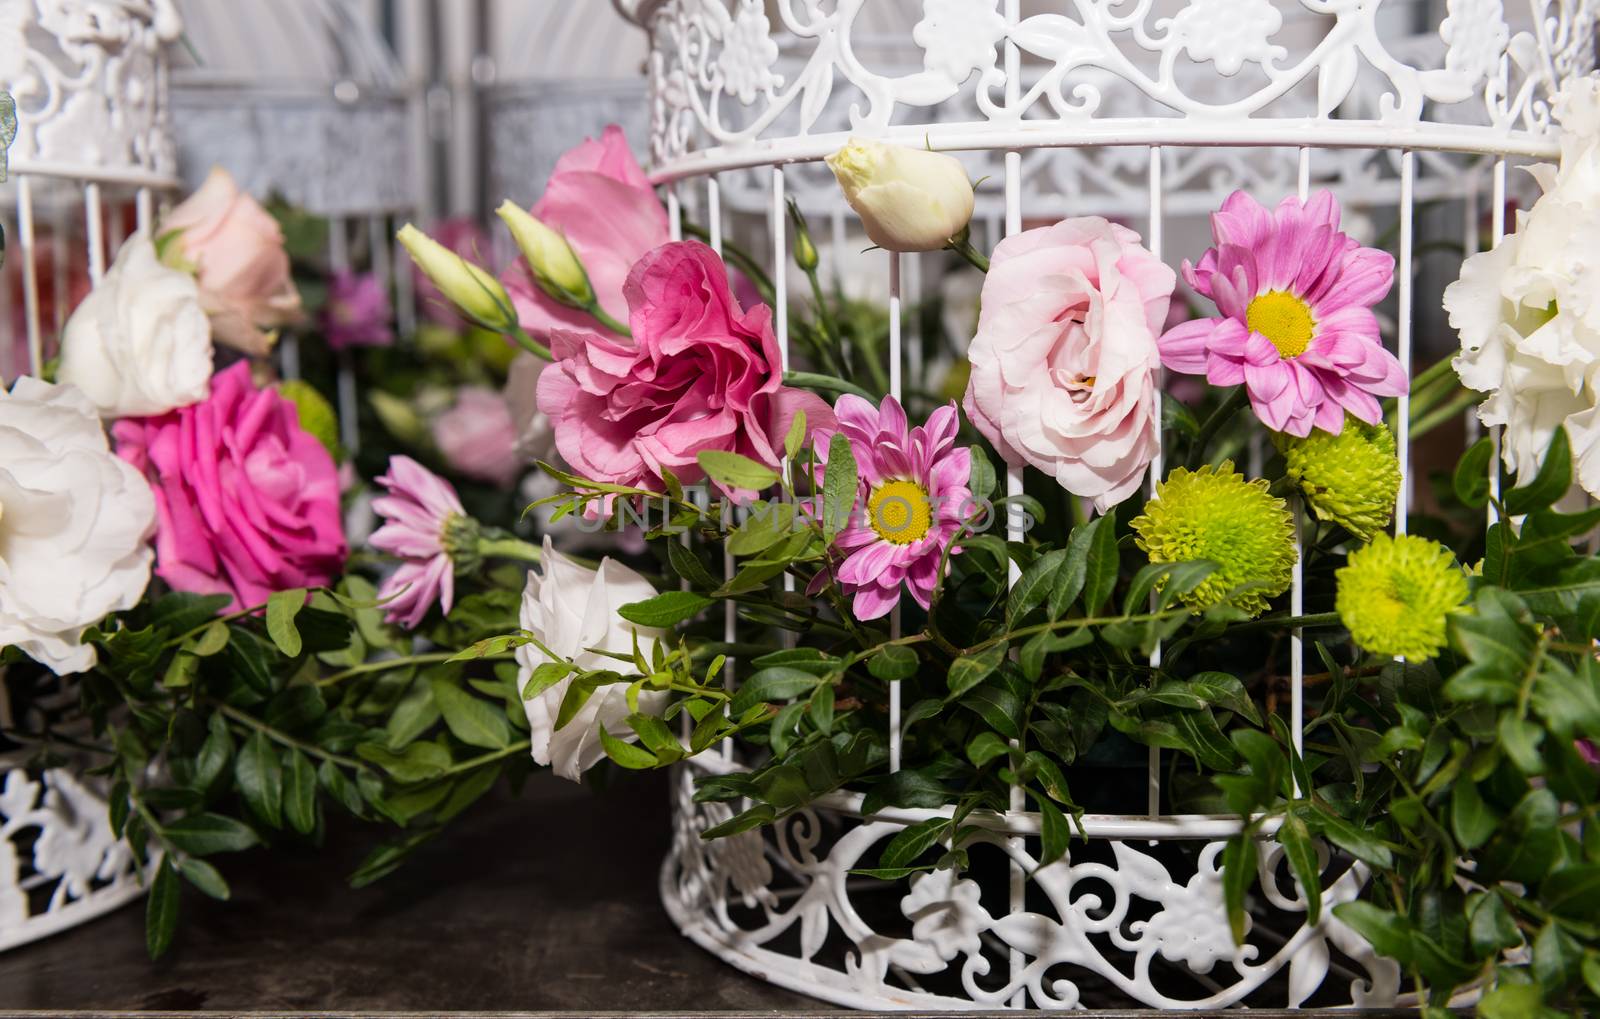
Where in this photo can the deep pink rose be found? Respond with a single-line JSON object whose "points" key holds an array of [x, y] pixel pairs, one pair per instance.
{"points": [[601, 200], [699, 373], [1064, 361], [237, 251], [478, 438], [247, 502]]}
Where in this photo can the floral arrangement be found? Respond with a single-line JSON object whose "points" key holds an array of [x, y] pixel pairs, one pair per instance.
{"points": [[994, 573]]}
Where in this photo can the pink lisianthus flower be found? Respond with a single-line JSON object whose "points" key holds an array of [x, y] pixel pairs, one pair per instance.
{"points": [[417, 512], [911, 501], [1297, 328], [599, 198], [478, 437], [698, 373], [247, 501], [357, 313]]}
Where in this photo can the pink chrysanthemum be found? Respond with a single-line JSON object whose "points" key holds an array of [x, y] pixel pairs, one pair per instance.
{"points": [[912, 498], [418, 510], [1297, 329]]}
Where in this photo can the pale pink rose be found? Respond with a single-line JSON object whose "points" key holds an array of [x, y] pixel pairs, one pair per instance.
{"points": [[477, 437], [1064, 361], [247, 502], [600, 199], [236, 249], [699, 373]]}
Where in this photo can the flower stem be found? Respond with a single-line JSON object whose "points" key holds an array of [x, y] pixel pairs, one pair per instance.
{"points": [[522, 339], [826, 383], [1213, 424], [399, 662], [601, 316], [510, 548], [1313, 619], [1450, 410], [281, 737], [830, 329], [963, 247]]}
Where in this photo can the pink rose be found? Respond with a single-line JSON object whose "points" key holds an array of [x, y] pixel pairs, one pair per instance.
{"points": [[1064, 361], [477, 437], [247, 502], [600, 199], [699, 373], [236, 248]]}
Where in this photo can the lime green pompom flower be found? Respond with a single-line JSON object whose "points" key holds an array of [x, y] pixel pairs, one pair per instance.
{"points": [[1396, 595], [1350, 479], [316, 415], [1214, 513]]}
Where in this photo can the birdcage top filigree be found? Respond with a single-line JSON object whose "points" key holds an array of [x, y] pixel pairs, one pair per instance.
{"points": [[733, 88], [90, 81]]}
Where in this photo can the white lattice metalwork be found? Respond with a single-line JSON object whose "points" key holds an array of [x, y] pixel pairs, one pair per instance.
{"points": [[1151, 111], [93, 148]]}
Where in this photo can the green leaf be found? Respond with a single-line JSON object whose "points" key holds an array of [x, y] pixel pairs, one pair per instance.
{"points": [[1101, 563], [472, 720], [772, 684], [665, 610], [1221, 690], [1520, 739], [205, 877], [982, 478], [1471, 820], [204, 834], [998, 706], [161, 911], [731, 470], [1386, 931], [282, 607], [412, 716], [1471, 480], [821, 708], [300, 793], [1490, 927], [543, 677], [1511, 1001], [626, 754], [688, 566], [968, 671], [210, 640], [1295, 838], [1528, 843], [894, 661], [912, 842], [905, 789], [1035, 584], [1573, 892], [795, 440], [840, 482], [1557, 957], [1358, 842], [420, 761], [1550, 484], [985, 747], [1238, 875], [1054, 832], [1591, 971], [260, 778]]}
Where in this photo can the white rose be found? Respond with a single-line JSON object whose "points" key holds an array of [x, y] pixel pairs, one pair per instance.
{"points": [[74, 521], [908, 199], [536, 437], [570, 609], [1528, 312], [140, 343]]}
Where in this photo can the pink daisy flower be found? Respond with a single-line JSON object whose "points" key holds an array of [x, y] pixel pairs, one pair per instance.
{"points": [[912, 498], [418, 510], [1297, 329]]}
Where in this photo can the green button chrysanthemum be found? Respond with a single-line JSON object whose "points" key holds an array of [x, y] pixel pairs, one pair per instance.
{"points": [[1395, 595], [1214, 513], [1350, 479]]}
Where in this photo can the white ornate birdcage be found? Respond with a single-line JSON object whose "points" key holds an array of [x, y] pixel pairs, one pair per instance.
{"points": [[304, 100], [92, 153], [1148, 111]]}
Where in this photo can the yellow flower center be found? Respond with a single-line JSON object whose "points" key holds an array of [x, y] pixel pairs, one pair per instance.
{"points": [[900, 512], [1284, 319]]}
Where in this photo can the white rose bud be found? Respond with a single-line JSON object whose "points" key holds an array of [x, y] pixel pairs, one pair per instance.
{"points": [[472, 289], [572, 608], [555, 265], [140, 343], [908, 199]]}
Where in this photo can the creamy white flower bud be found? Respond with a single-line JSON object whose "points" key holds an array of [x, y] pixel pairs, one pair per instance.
{"points": [[908, 199]]}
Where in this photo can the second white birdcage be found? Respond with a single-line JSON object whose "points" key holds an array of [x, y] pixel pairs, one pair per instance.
{"points": [[1148, 111]]}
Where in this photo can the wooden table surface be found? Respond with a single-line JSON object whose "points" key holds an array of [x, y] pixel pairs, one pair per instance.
{"points": [[540, 904]]}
